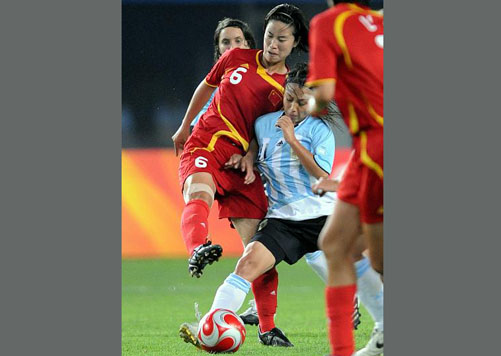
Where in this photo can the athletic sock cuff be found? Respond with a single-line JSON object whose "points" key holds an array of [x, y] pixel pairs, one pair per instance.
{"points": [[238, 282], [201, 203], [312, 256]]}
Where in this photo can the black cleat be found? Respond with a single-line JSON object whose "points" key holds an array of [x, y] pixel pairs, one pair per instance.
{"points": [[249, 316], [274, 337], [202, 256], [356, 314]]}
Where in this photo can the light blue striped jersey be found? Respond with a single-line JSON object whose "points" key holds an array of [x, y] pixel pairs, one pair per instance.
{"points": [[204, 109], [287, 182]]}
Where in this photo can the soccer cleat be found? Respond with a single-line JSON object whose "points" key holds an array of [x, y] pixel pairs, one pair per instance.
{"points": [[375, 345], [202, 256], [274, 337], [249, 316], [356, 314], [188, 332]]}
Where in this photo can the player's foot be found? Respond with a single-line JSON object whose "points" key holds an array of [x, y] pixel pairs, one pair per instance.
{"points": [[356, 314], [375, 345], [202, 256], [249, 316], [188, 332], [274, 337]]}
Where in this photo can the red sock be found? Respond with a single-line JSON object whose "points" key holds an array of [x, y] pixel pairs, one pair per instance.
{"points": [[195, 224], [265, 293], [339, 304]]}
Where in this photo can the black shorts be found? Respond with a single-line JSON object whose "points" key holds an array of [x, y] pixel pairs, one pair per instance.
{"points": [[289, 240]]}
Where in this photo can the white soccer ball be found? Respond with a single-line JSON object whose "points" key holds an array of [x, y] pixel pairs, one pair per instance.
{"points": [[221, 330]]}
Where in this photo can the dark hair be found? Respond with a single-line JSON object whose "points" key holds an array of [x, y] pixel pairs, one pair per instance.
{"points": [[362, 2], [228, 22], [331, 114], [297, 75], [291, 15]]}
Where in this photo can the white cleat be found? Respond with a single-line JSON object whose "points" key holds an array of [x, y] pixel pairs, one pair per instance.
{"points": [[375, 345], [188, 332]]}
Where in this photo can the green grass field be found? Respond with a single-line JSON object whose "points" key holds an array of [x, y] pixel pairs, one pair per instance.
{"points": [[158, 295]]}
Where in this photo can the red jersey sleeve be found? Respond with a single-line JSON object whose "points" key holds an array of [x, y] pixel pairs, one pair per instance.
{"points": [[216, 74], [322, 65]]}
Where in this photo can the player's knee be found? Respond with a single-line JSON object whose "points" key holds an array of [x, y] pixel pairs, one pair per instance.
{"points": [[198, 191], [247, 267], [201, 196], [332, 246]]}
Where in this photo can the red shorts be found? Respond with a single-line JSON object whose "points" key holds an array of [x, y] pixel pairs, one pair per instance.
{"points": [[236, 199], [362, 182]]}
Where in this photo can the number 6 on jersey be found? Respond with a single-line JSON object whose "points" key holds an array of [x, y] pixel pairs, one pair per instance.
{"points": [[201, 162], [236, 77]]}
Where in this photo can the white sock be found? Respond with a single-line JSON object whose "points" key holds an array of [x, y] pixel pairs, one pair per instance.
{"points": [[370, 291], [318, 263], [231, 294]]}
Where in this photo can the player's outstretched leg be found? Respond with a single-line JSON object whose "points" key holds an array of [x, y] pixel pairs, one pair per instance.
{"points": [[198, 191], [246, 229], [202, 256]]}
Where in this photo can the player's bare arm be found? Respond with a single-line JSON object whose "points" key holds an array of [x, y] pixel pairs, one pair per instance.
{"points": [[324, 185], [322, 94], [245, 163], [201, 95], [305, 156]]}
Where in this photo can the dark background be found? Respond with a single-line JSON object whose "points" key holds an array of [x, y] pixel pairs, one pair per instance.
{"points": [[167, 49]]}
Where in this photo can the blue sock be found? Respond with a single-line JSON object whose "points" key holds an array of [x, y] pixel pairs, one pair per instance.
{"points": [[316, 260], [370, 291]]}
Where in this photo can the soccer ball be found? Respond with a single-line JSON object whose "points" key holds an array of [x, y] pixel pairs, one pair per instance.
{"points": [[221, 330]]}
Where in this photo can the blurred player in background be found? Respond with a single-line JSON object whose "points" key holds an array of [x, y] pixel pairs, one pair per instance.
{"points": [[346, 63], [294, 150], [230, 33], [250, 84]]}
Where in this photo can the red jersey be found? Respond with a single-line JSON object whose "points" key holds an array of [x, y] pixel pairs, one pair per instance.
{"points": [[346, 47], [245, 92]]}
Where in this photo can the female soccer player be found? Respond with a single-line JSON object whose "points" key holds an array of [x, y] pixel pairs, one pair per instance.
{"points": [[250, 84], [347, 64], [232, 33]]}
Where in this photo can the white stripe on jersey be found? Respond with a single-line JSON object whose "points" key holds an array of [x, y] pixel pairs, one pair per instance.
{"points": [[276, 161], [295, 172]]}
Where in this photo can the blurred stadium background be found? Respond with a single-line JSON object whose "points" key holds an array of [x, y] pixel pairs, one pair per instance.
{"points": [[166, 51]]}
